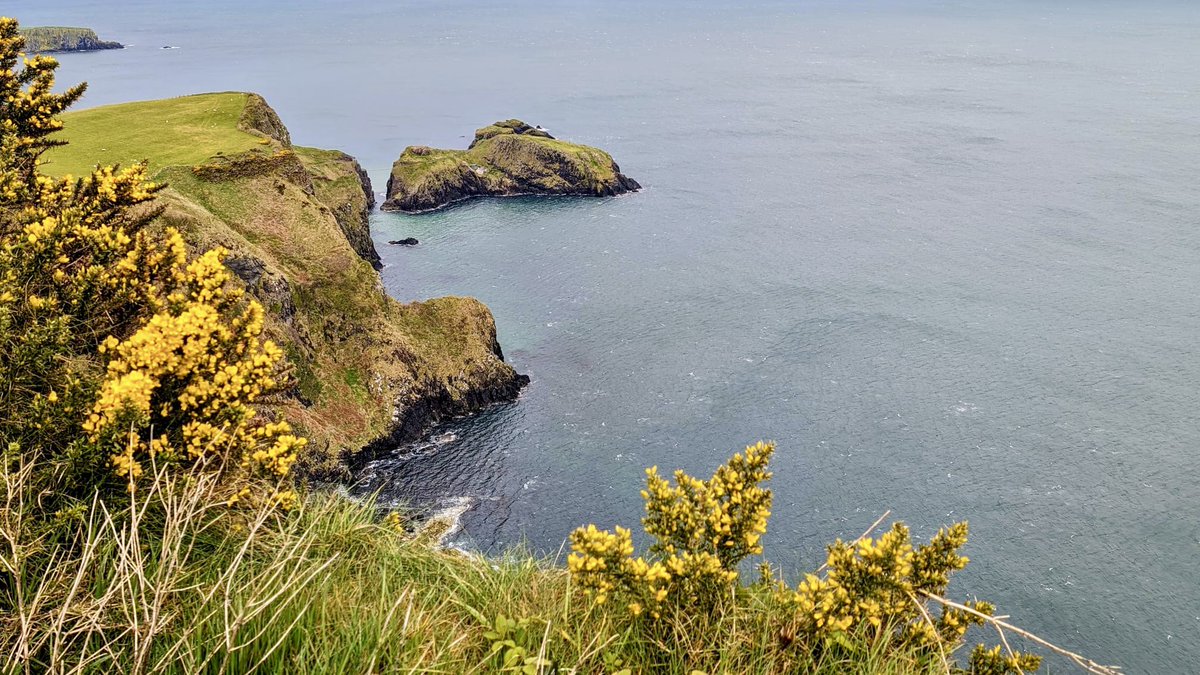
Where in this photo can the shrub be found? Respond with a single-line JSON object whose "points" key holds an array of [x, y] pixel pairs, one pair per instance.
{"points": [[702, 529], [116, 349], [873, 589], [881, 585]]}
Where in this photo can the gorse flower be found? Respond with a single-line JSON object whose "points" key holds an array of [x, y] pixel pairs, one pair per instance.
{"points": [[702, 529], [120, 350], [188, 378], [724, 516]]}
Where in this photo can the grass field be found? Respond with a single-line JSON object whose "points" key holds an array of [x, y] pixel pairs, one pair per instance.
{"points": [[176, 131]]}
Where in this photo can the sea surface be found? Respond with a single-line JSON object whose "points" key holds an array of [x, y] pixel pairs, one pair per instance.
{"points": [[945, 252]]}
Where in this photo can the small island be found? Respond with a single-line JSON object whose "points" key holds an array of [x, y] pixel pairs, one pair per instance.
{"points": [[506, 159], [48, 39]]}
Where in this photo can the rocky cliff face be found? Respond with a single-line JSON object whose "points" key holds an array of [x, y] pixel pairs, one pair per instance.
{"points": [[50, 39], [343, 186], [367, 371], [505, 159]]}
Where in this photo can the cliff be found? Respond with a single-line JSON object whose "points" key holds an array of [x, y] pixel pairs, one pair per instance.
{"points": [[506, 159], [46, 39], [367, 369]]}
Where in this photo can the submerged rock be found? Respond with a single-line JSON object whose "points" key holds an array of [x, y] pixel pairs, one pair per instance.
{"points": [[505, 159]]}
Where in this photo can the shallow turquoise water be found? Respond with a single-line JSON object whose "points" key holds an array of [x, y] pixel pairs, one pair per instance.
{"points": [[945, 253]]}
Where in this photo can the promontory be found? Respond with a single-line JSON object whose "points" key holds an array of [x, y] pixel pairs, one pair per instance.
{"points": [[46, 39], [368, 372], [506, 159]]}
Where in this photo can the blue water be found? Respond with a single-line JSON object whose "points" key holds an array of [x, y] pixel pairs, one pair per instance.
{"points": [[945, 253]]}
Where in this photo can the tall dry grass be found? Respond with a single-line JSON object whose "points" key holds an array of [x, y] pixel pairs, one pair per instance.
{"points": [[177, 582]]}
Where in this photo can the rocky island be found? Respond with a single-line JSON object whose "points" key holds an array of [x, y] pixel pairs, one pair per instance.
{"points": [[47, 39], [506, 159]]}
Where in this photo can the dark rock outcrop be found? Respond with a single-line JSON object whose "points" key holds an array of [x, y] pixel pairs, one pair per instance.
{"points": [[505, 159], [408, 241]]}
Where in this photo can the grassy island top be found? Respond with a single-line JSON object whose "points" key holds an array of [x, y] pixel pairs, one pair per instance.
{"points": [[496, 148], [170, 132]]}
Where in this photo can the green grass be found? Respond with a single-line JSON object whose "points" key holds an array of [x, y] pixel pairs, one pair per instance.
{"points": [[179, 131], [181, 585]]}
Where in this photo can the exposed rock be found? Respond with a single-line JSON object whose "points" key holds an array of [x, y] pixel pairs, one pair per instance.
{"points": [[506, 159], [343, 185], [50, 39], [515, 127], [258, 117], [408, 241]]}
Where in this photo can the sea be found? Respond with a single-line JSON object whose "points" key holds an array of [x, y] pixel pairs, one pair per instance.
{"points": [[945, 253]]}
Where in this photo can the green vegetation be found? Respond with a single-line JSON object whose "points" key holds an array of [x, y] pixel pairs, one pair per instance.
{"points": [[506, 158], [329, 587], [173, 132], [47, 39], [340, 183]]}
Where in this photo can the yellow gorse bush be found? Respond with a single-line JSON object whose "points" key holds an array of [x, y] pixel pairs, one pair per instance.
{"points": [[702, 529], [881, 584], [119, 351], [187, 379], [875, 588], [724, 516]]}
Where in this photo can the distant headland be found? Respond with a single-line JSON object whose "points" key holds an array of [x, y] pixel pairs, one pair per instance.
{"points": [[506, 159], [47, 39]]}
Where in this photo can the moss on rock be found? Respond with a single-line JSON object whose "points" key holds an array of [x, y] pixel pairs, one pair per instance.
{"points": [[506, 158]]}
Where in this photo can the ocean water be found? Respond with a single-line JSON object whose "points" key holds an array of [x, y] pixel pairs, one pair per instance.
{"points": [[944, 252]]}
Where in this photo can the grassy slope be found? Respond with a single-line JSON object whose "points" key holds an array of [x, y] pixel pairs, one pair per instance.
{"points": [[357, 352], [328, 589], [180, 131], [337, 184]]}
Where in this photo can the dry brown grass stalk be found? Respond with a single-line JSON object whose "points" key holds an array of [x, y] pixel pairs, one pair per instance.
{"points": [[1000, 624]]}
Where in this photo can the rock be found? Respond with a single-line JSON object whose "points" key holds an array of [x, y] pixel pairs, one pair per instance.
{"points": [[410, 241], [514, 127], [261, 119], [349, 200], [505, 159]]}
